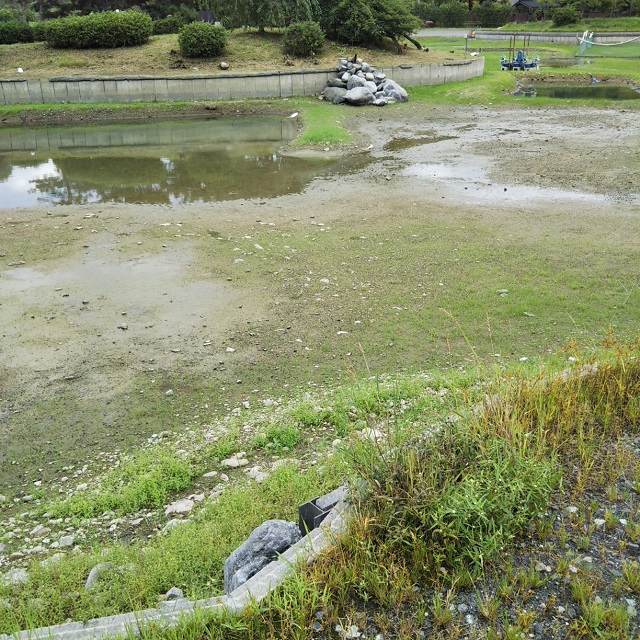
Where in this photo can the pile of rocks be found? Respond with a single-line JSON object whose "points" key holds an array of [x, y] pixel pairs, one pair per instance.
{"points": [[359, 83]]}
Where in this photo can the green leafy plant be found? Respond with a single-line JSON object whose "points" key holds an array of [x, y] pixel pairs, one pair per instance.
{"points": [[303, 39], [563, 16], [100, 30], [202, 40], [14, 31]]}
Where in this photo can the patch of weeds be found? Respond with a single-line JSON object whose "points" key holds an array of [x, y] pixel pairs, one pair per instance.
{"points": [[630, 576], [146, 481], [441, 608], [283, 436]]}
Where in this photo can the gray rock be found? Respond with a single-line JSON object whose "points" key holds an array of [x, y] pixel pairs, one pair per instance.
{"points": [[355, 81], [380, 102], [334, 94], [55, 558], [40, 531], [96, 575], [66, 541], [179, 506], [261, 547], [395, 91], [171, 525], [15, 577], [371, 86], [359, 96], [337, 82], [174, 594], [3, 548]]}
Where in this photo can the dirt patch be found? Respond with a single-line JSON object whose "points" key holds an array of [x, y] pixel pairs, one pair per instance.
{"points": [[115, 306]]}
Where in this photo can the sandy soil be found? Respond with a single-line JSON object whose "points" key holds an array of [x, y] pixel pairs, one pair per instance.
{"points": [[102, 293]]}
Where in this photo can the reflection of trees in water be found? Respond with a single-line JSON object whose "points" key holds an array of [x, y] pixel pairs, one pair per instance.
{"points": [[187, 177], [5, 170]]}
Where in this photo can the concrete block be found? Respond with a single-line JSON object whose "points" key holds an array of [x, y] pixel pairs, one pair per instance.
{"points": [[180, 89], [286, 85], [297, 84], [161, 90], [60, 91], [91, 91], [73, 92], [47, 91], [110, 88]]}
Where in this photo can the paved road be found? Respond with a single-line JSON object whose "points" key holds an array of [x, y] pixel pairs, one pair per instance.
{"points": [[442, 33]]}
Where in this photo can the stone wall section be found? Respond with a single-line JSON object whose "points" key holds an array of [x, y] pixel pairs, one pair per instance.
{"points": [[92, 89]]}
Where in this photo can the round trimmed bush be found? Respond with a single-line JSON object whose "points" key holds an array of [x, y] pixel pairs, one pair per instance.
{"points": [[303, 39], [202, 40], [565, 15]]}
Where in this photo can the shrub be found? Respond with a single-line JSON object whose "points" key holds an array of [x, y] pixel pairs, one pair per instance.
{"points": [[565, 15], [170, 24], [13, 31], [8, 15], [202, 40], [39, 30], [303, 39], [452, 14], [100, 30], [492, 14]]}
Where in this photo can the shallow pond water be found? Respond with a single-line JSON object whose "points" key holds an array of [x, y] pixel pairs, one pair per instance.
{"points": [[590, 92], [155, 163]]}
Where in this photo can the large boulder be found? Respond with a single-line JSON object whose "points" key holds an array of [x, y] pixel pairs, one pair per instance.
{"points": [[334, 94], [355, 81], [271, 538], [359, 96], [337, 82], [395, 91]]}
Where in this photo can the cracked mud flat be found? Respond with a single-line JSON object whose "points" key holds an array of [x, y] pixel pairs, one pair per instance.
{"points": [[102, 297]]}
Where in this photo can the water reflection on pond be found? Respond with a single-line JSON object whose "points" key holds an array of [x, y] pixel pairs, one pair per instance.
{"points": [[588, 92], [156, 163]]}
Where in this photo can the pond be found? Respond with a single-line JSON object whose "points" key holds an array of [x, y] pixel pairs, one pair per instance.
{"points": [[585, 92], [155, 163]]}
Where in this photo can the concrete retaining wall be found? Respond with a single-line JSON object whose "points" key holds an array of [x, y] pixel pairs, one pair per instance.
{"points": [[558, 38], [90, 89]]}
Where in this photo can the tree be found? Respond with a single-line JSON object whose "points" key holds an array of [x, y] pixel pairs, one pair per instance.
{"points": [[367, 22], [395, 20], [270, 13]]}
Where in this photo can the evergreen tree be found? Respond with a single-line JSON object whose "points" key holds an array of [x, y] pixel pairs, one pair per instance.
{"points": [[270, 13]]}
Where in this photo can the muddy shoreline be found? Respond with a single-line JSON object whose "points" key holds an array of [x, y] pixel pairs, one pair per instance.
{"points": [[72, 377]]}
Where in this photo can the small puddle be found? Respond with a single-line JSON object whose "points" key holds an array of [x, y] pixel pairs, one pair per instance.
{"points": [[398, 144], [157, 163], [471, 182], [572, 92]]}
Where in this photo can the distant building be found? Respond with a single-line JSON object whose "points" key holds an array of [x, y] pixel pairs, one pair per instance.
{"points": [[206, 16], [524, 10]]}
